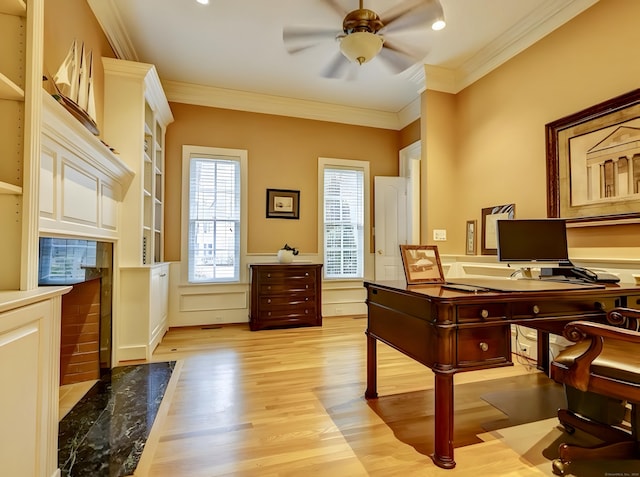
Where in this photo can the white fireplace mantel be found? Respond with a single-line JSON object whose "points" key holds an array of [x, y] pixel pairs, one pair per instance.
{"points": [[82, 182]]}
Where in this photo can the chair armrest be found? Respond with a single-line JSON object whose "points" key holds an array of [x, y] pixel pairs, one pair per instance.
{"points": [[625, 317], [576, 331]]}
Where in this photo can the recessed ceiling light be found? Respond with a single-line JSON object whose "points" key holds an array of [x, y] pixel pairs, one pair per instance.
{"points": [[437, 25], [203, 2]]}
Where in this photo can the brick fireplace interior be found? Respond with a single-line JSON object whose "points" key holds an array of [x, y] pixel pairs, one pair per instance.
{"points": [[85, 335], [80, 333]]}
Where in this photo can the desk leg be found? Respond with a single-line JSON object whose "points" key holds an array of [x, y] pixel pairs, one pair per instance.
{"points": [[443, 455], [372, 369], [543, 351]]}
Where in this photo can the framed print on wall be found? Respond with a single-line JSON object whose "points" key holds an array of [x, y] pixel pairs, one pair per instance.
{"points": [[283, 204], [593, 162], [421, 264], [490, 215], [472, 225]]}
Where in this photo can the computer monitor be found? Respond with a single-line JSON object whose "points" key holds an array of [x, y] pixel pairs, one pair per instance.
{"points": [[541, 242]]}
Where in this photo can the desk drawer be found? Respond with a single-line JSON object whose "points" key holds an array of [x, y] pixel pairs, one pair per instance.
{"points": [[541, 308], [480, 346], [484, 312]]}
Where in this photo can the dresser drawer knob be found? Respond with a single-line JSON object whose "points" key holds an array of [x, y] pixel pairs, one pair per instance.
{"points": [[535, 309], [306, 274], [268, 313], [484, 313], [484, 346], [269, 300], [306, 312], [268, 275], [306, 299]]}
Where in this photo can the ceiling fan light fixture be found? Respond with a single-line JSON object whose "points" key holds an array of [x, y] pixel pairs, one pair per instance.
{"points": [[361, 46]]}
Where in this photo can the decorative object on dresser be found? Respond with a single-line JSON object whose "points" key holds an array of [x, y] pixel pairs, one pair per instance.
{"points": [[286, 254], [285, 295]]}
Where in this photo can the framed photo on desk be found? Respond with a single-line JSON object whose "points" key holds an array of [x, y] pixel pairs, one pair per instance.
{"points": [[421, 264]]}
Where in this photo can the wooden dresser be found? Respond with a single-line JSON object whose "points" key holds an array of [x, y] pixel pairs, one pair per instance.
{"points": [[285, 295]]}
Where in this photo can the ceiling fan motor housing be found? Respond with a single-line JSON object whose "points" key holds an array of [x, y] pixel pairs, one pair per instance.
{"points": [[362, 20]]}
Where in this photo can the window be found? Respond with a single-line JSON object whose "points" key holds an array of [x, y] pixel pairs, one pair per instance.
{"points": [[344, 185], [214, 216]]}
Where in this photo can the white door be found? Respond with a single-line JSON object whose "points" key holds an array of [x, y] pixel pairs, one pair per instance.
{"points": [[390, 201]]}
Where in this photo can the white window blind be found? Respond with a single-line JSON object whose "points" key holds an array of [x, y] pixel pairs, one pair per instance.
{"points": [[343, 223], [214, 220]]}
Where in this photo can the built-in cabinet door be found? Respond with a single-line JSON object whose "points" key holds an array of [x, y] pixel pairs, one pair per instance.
{"points": [[29, 373]]}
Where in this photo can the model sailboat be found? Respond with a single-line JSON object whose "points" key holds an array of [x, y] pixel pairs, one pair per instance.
{"points": [[74, 86]]}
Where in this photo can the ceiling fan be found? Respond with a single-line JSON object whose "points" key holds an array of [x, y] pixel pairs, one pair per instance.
{"points": [[365, 35]]}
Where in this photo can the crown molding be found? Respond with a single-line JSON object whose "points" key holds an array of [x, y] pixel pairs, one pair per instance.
{"points": [[111, 23], [525, 33], [261, 103], [512, 42]]}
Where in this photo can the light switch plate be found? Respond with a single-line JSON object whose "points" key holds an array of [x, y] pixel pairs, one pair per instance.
{"points": [[439, 234]]}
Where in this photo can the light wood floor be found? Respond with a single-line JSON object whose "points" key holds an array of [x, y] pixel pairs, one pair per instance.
{"points": [[290, 403]]}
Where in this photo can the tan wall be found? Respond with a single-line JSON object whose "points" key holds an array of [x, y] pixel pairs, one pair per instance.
{"points": [[283, 154], [410, 134], [498, 123], [68, 20]]}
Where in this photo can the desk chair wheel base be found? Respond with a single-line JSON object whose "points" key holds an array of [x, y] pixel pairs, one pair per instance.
{"points": [[569, 453], [559, 467]]}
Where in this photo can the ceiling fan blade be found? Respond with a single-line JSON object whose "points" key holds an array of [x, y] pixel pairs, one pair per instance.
{"points": [[411, 13], [338, 66], [336, 7], [397, 59], [302, 37]]}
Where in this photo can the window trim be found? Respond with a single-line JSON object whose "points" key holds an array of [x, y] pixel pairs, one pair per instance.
{"points": [[240, 155], [328, 162]]}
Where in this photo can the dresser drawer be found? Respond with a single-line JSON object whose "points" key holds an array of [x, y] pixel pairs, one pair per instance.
{"points": [[285, 276], [288, 313], [285, 287], [483, 345], [279, 301]]}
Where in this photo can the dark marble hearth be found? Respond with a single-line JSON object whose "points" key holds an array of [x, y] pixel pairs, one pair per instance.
{"points": [[105, 433]]}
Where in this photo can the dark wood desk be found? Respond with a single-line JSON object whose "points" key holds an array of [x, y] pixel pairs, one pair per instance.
{"points": [[453, 331]]}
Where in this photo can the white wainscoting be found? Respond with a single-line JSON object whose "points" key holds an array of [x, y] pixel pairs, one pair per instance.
{"points": [[195, 305]]}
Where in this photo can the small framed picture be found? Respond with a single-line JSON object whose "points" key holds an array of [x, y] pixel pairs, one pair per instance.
{"points": [[490, 216], [283, 204], [471, 236], [421, 264]]}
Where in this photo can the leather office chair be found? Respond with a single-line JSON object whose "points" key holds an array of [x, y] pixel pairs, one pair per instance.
{"points": [[601, 374]]}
